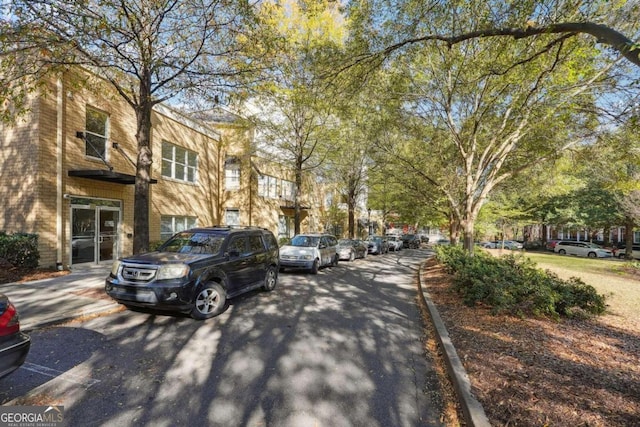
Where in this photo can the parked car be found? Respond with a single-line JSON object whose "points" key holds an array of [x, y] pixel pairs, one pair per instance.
{"points": [[621, 252], [197, 270], [551, 245], [350, 249], [14, 344], [507, 244], [377, 245], [310, 252], [591, 250], [395, 243], [410, 241]]}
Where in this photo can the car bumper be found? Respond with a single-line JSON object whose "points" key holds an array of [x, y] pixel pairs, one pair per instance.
{"points": [[13, 353], [167, 296], [296, 263]]}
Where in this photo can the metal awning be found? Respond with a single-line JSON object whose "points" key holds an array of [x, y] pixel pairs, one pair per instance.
{"points": [[107, 176], [302, 208]]}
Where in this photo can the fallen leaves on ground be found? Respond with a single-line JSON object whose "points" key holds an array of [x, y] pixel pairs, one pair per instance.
{"points": [[541, 372]]}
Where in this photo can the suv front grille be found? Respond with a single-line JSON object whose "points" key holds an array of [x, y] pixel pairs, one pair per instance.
{"points": [[138, 273]]}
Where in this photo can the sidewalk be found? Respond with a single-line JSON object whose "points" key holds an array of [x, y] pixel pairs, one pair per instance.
{"points": [[59, 299]]}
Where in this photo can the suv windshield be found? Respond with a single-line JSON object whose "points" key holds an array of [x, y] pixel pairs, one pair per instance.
{"points": [[305, 241], [193, 243]]}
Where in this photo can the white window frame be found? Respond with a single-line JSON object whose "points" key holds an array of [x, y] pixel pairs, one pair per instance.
{"points": [[232, 216], [175, 223], [183, 169], [92, 136], [232, 175]]}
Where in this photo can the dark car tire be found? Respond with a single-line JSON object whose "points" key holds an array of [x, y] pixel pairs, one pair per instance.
{"points": [[209, 301], [270, 280], [562, 252], [315, 267], [592, 255], [352, 256]]}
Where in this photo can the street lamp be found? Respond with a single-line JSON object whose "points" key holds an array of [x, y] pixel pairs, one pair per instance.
{"points": [[369, 221]]}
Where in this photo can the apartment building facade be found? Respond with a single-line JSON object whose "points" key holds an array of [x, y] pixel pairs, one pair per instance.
{"points": [[68, 174]]}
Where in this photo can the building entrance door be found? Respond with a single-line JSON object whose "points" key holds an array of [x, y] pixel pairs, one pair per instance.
{"points": [[94, 225]]}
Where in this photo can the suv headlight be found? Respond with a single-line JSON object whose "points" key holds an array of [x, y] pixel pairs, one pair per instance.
{"points": [[172, 271], [115, 267]]}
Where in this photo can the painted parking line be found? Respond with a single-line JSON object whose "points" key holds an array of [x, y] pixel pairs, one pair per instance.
{"points": [[54, 373]]}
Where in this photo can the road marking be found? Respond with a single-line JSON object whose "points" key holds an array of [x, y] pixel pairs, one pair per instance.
{"points": [[54, 373]]}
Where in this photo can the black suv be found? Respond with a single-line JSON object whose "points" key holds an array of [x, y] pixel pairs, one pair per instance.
{"points": [[410, 241], [196, 270]]}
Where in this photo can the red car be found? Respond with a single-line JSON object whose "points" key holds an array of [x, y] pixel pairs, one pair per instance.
{"points": [[551, 245], [14, 345]]}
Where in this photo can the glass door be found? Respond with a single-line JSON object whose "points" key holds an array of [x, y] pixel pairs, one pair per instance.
{"points": [[94, 224], [83, 238], [108, 234]]}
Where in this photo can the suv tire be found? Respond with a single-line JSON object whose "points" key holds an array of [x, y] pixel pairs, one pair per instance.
{"points": [[314, 267], [562, 252], [270, 280], [209, 301]]}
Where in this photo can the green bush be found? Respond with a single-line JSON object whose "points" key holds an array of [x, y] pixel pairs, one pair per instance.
{"points": [[515, 285], [19, 249]]}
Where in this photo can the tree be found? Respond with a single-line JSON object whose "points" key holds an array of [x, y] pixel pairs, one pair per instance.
{"points": [[491, 108], [293, 107], [150, 51]]}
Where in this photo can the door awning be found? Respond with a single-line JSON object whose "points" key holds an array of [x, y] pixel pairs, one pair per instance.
{"points": [[107, 176]]}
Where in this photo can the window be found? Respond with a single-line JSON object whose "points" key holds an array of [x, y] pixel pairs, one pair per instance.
{"points": [[274, 188], [170, 225], [284, 226], [232, 173], [232, 217], [255, 244], [288, 189], [95, 135], [179, 163], [238, 244]]}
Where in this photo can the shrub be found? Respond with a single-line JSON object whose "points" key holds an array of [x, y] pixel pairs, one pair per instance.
{"points": [[514, 284], [20, 249]]}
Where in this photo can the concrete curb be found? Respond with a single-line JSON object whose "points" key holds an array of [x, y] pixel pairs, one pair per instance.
{"points": [[472, 410], [107, 308]]}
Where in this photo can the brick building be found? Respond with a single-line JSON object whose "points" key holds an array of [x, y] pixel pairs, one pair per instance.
{"points": [[68, 169]]}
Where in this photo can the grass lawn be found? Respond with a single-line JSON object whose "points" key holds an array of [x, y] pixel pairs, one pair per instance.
{"points": [[611, 277]]}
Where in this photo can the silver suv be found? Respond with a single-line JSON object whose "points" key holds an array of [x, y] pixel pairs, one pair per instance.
{"points": [[310, 252]]}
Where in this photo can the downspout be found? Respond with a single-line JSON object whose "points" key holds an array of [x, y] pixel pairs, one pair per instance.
{"points": [[59, 193]]}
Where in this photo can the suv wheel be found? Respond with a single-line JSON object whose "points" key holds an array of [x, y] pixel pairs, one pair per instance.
{"points": [[270, 280], [562, 252], [592, 255], [314, 267], [209, 301]]}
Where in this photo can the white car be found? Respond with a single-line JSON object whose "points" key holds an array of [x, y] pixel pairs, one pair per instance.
{"points": [[395, 243], [309, 252], [586, 249], [508, 244], [621, 253]]}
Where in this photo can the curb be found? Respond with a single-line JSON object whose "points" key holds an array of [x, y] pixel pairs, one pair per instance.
{"points": [[107, 308], [472, 410]]}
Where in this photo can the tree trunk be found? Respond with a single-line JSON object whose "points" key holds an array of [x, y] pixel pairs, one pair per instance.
{"points": [[628, 238], [352, 222], [296, 201], [143, 174]]}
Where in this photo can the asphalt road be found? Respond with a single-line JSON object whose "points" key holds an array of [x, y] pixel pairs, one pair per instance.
{"points": [[341, 348]]}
